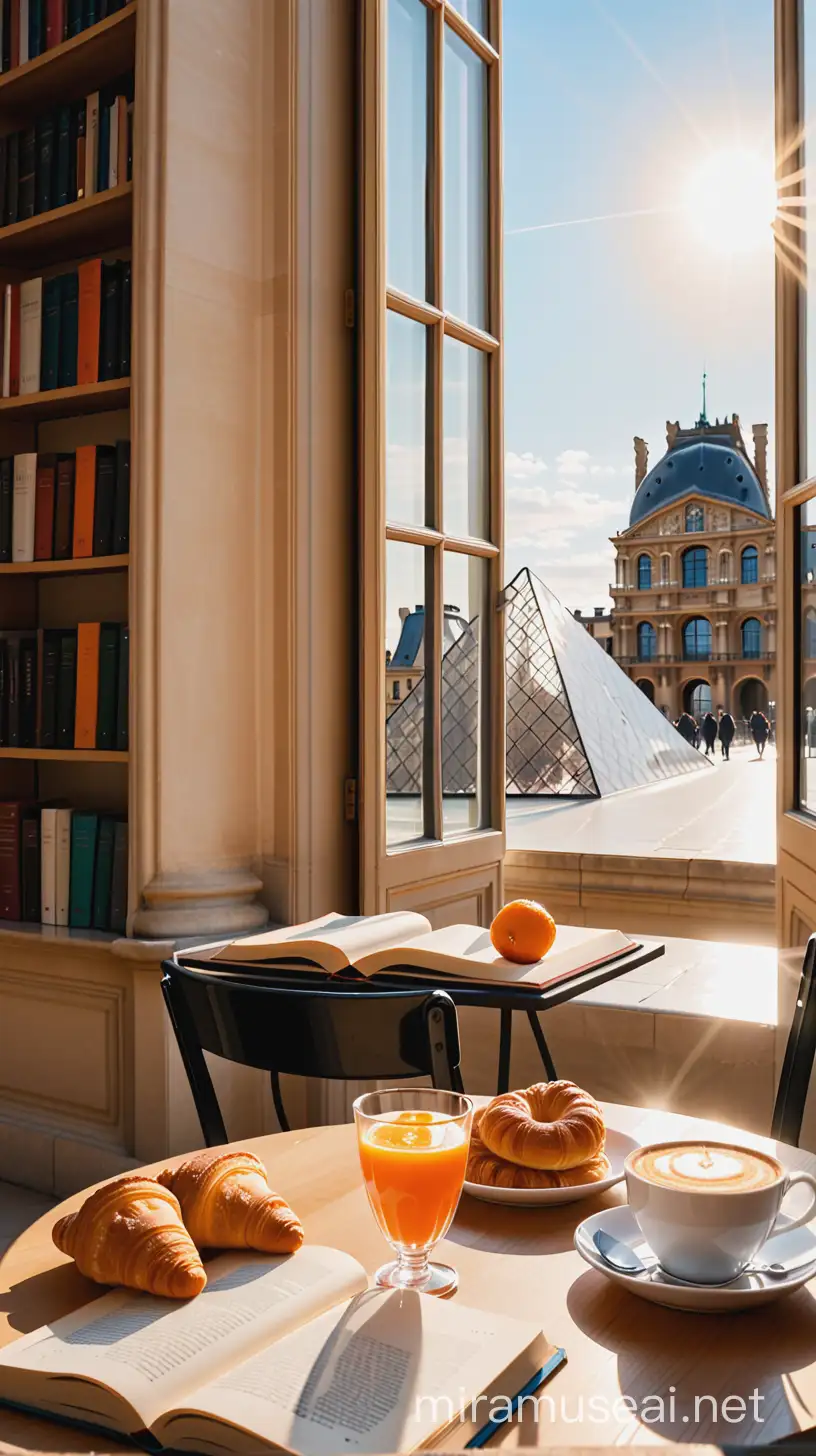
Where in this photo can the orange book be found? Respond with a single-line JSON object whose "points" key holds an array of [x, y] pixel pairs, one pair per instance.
{"points": [[90, 313], [84, 498], [87, 684]]}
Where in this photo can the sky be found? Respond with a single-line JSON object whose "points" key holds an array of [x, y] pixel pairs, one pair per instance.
{"points": [[624, 107]]}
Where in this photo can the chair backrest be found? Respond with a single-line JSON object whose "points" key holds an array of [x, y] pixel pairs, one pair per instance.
{"points": [[358, 1035], [797, 1066]]}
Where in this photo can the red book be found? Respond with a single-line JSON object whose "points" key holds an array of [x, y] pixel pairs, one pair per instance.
{"points": [[90, 313], [54, 23], [14, 49], [10, 858], [84, 500], [14, 350], [45, 489]]}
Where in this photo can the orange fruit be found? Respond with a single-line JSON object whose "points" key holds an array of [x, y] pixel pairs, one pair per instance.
{"points": [[523, 931]]}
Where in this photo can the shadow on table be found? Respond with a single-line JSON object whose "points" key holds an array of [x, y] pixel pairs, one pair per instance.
{"points": [[44, 1297], [524, 1231], [694, 1362]]}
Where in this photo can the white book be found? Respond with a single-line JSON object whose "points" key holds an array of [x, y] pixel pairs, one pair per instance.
{"points": [[116, 120], [23, 503], [30, 335], [7, 306], [91, 142], [23, 32], [63, 865], [48, 866]]}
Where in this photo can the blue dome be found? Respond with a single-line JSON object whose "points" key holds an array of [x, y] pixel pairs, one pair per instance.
{"points": [[703, 468]]}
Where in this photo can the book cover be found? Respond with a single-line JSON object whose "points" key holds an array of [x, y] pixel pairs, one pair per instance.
{"points": [[84, 493], [4, 682], [74, 17], [44, 499], [64, 509], [129, 177], [8, 305], [123, 692], [31, 295], [6, 502], [31, 889], [48, 866], [12, 178], [79, 124], [49, 353], [23, 507], [91, 142], [119, 878], [87, 684], [105, 500], [66, 689], [113, 143], [109, 321], [24, 56], [84, 831], [62, 876], [63, 191], [3, 169], [46, 156], [48, 648], [28, 692], [103, 143], [90, 13], [13, 688], [122, 132], [54, 23], [90, 309], [121, 508], [10, 861], [69, 329], [5, 37], [108, 694], [14, 339], [27, 180], [103, 873], [124, 320], [15, 34], [36, 28]]}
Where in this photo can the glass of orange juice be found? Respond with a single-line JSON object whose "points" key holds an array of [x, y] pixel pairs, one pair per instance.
{"points": [[413, 1148]]}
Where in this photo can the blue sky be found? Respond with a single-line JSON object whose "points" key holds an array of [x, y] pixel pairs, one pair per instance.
{"points": [[611, 106]]}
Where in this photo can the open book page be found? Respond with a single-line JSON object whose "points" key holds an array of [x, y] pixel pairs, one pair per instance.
{"points": [[385, 1374], [467, 951], [332, 941], [154, 1352]]}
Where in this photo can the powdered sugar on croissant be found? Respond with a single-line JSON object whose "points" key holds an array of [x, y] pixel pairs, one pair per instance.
{"points": [[227, 1203]]}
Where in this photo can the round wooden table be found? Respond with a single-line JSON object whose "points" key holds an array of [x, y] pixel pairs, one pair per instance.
{"points": [[634, 1371]]}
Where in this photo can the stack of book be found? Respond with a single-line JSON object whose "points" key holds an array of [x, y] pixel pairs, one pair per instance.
{"points": [[65, 688], [72, 328], [29, 28], [64, 507], [63, 866], [74, 152]]}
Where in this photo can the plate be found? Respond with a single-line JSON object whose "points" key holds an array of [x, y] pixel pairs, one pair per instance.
{"points": [[618, 1144], [797, 1248]]}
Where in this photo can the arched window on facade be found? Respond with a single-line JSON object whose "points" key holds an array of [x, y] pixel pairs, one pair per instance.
{"points": [[749, 566], [695, 519], [644, 568], [697, 639], [751, 637], [695, 566], [646, 641]]}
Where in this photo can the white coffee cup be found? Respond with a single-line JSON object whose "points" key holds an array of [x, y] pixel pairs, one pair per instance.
{"points": [[706, 1217]]}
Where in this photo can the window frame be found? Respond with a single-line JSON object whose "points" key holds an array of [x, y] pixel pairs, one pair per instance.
{"points": [[643, 627], [744, 554], [697, 552], [644, 560], [697, 656], [746, 622]]}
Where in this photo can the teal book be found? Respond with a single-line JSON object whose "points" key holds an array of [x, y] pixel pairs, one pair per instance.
{"points": [[69, 330], [108, 691], [52, 307], [84, 833], [103, 873]]}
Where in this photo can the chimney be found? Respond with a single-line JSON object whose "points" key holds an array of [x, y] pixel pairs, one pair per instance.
{"points": [[404, 612], [641, 460], [760, 433], [672, 426]]}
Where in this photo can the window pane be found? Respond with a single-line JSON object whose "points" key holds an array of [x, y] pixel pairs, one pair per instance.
{"points": [[464, 477], [465, 169], [409, 34], [406, 420], [404, 706], [474, 11], [464, 583]]}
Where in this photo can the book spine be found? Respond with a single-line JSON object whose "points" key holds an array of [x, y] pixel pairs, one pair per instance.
{"points": [[84, 491], [124, 320], [28, 692], [63, 192], [31, 896], [84, 832], [109, 321], [24, 55], [66, 689], [105, 502], [123, 692], [80, 149], [3, 176], [36, 28], [108, 685], [119, 880], [13, 690], [87, 684], [7, 310], [103, 874], [6, 505], [122, 132], [23, 509], [69, 330], [90, 308], [15, 34], [64, 509], [103, 144], [10, 878], [44, 199], [5, 35], [27, 180], [4, 688], [62, 876], [48, 866], [91, 142], [12, 178], [31, 294], [47, 707], [54, 23], [45, 494], [74, 17], [121, 509], [51, 311], [14, 340], [90, 13], [129, 174], [113, 143]]}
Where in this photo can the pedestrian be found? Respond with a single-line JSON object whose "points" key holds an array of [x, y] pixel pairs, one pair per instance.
{"points": [[709, 732], [726, 728], [760, 729], [686, 727]]}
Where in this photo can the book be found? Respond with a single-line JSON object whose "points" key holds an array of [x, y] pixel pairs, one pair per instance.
{"points": [[6, 503], [90, 13], [44, 495], [12, 178], [24, 506], [15, 34], [27, 180], [12, 695], [66, 689], [104, 500], [36, 28], [30, 856], [64, 165], [119, 878], [125, 307], [69, 329], [64, 509], [5, 35], [121, 507], [90, 307], [403, 943], [31, 296], [51, 314], [74, 17], [103, 143], [87, 684], [4, 681], [122, 696], [24, 54], [48, 866], [7, 310], [62, 873], [79, 166], [103, 873], [91, 143], [54, 23], [48, 658], [3, 167], [108, 691], [13, 305], [113, 142], [46, 160], [109, 321], [84, 494], [10, 861], [28, 692], [123, 136], [84, 831], [280, 1354]]}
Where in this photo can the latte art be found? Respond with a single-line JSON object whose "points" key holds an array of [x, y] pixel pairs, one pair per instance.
{"points": [[706, 1168]]}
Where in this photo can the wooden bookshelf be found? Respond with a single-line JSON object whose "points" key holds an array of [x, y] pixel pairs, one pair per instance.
{"points": [[65, 755], [92, 225], [65, 568], [79, 399], [80, 65]]}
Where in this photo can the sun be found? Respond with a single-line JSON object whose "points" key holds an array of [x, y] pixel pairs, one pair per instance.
{"points": [[730, 200]]}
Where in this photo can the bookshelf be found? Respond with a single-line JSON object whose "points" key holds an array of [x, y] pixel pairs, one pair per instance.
{"points": [[94, 224], [79, 65]]}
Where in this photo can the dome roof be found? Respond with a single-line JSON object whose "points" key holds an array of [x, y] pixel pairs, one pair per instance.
{"points": [[717, 471]]}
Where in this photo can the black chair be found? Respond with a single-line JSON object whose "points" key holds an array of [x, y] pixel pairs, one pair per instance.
{"points": [[797, 1066], [341, 1035]]}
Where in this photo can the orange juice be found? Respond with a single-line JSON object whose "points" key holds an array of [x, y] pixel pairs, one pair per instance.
{"points": [[414, 1166]]}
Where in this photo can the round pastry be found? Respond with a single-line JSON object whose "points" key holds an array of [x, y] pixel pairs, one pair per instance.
{"points": [[485, 1168], [551, 1125]]}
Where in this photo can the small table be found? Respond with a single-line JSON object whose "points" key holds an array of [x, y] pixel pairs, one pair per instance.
{"points": [[621, 1351]]}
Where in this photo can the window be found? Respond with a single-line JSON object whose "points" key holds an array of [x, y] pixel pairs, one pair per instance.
{"points": [[644, 572], [751, 637], [695, 519], [646, 641], [697, 639], [749, 568], [396, 692], [695, 565]]}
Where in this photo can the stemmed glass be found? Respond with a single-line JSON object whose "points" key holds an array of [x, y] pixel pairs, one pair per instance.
{"points": [[413, 1146]]}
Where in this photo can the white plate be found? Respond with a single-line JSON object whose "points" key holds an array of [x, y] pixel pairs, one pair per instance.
{"points": [[794, 1248], [618, 1144]]}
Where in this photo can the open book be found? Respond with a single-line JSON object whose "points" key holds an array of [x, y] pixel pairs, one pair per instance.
{"points": [[280, 1354], [403, 943]]}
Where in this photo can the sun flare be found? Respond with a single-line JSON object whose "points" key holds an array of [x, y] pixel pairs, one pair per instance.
{"points": [[731, 201]]}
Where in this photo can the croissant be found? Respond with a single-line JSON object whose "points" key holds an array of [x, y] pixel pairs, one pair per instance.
{"points": [[551, 1125], [131, 1232], [227, 1203], [484, 1167]]}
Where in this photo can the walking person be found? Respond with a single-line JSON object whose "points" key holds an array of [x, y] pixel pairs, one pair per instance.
{"points": [[760, 729], [686, 727], [709, 732], [726, 728]]}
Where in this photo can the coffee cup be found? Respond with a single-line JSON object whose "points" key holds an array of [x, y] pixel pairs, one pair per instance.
{"points": [[706, 1209]]}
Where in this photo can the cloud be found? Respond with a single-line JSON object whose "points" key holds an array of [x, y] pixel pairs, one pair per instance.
{"points": [[572, 462], [523, 467]]}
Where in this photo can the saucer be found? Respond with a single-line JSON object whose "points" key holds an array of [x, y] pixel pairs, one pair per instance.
{"points": [[792, 1248], [618, 1144]]}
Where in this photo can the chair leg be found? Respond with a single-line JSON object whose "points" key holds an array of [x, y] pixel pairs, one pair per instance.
{"points": [[505, 1041], [280, 1110], [543, 1049]]}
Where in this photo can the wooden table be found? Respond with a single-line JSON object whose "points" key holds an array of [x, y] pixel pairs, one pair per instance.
{"points": [[520, 1261]]}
